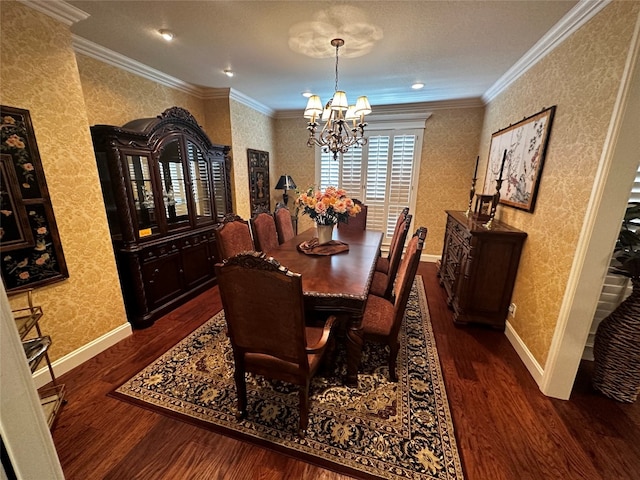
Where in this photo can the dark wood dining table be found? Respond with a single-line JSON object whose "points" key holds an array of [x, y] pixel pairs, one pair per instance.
{"points": [[336, 283]]}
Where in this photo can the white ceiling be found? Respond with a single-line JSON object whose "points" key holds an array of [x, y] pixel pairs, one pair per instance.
{"points": [[279, 49]]}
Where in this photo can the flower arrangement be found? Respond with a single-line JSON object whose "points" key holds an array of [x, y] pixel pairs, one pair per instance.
{"points": [[328, 207]]}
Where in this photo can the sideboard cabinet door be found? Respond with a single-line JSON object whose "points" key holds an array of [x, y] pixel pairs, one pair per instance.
{"points": [[166, 187], [478, 269]]}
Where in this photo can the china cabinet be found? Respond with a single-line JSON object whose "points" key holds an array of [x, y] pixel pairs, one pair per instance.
{"points": [[478, 268], [165, 186]]}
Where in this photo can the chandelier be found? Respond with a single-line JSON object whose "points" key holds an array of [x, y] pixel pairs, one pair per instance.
{"points": [[337, 136]]}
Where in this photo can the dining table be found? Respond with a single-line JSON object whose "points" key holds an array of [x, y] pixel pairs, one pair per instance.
{"points": [[336, 283]]}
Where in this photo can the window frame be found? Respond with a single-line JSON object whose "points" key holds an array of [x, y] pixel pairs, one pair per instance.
{"points": [[392, 129]]}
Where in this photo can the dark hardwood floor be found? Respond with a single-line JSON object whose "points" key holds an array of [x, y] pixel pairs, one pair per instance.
{"points": [[505, 428]]}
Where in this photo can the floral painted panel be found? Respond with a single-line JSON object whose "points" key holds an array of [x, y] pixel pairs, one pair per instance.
{"points": [[516, 155], [30, 249]]}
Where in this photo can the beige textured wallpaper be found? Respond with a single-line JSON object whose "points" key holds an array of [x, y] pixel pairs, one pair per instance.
{"points": [[255, 130], [114, 96], [295, 159], [581, 77], [39, 73], [449, 150]]}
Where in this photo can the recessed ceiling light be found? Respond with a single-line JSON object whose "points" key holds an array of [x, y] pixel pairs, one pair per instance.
{"points": [[417, 86], [306, 94], [166, 34], [228, 72]]}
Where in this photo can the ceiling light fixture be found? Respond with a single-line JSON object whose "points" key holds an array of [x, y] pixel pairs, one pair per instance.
{"points": [[336, 136], [417, 86], [228, 72], [166, 34]]}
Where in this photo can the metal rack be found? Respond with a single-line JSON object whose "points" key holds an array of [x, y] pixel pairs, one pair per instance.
{"points": [[36, 349]]}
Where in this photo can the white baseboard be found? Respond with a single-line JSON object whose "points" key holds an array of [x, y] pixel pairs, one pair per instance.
{"points": [[525, 355], [82, 354]]}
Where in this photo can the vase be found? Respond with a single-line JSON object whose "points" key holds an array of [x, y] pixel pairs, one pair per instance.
{"points": [[325, 232], [615, 350]]}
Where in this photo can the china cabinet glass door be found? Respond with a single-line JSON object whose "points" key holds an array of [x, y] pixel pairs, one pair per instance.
{"points": [[219, 187], [200, 184], [142, 189], [174, 189]]}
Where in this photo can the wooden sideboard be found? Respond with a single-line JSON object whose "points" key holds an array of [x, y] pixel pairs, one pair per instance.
{"points": [[478, 269]]}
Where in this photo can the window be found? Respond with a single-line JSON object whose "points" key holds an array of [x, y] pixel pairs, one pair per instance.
{"points": [[381, 175]]}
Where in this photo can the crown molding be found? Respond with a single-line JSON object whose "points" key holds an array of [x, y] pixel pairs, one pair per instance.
{"points": [[61, 11], [93, 50], [404, 109], [230, 93], [584, 11]]}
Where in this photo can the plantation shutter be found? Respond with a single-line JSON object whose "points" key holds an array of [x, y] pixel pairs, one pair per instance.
{"points": [[616, 287], [381, 175]]}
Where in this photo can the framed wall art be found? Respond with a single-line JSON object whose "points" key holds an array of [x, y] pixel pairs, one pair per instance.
{"points": [[260, 192], [30, 249], [525, 144]]}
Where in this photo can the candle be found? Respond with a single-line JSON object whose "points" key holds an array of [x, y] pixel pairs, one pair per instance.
{"points": [[475, 172], [504, 157]]}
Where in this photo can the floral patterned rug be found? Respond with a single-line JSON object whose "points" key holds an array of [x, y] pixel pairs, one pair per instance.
{"points": [[378, 430]]}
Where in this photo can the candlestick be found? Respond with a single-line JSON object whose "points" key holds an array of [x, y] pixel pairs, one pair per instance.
{"points": [[504, 157], [472, 192], [494, 202]]}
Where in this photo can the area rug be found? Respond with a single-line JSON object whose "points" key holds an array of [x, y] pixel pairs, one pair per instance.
{"points": [[380, 429]]}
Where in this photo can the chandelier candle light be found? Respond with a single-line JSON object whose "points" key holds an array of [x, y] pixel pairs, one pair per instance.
{"points": [[336, 135]]}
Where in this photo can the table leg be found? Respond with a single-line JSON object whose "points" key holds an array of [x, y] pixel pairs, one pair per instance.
{"points": [[354, 350]]}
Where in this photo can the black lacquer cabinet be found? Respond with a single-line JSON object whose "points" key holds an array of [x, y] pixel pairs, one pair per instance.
{"points": [[165, 188]]}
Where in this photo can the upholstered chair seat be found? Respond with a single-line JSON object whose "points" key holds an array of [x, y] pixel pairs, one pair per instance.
{"points": [[284, 225], [233, 236], [382, 318], [358, 221], [382, 283], [383, 263], [265, 236]]}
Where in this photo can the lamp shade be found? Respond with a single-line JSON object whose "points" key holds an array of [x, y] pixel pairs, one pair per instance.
{"points": [[339, 101], [362, 106], [314, 107], [286, 183]]}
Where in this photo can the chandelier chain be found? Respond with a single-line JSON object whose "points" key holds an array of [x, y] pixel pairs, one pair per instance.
{"points": [[336, 87]]}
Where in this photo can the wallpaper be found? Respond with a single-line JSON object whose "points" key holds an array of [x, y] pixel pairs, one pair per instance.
{"points": [[295, 159], [39, 73], [449, 150], [250, 129], [581, 77], [114, 97]]}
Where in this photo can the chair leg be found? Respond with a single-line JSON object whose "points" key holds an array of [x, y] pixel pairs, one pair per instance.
{"points": [[393, 356], [241, 388], [304, 409]]}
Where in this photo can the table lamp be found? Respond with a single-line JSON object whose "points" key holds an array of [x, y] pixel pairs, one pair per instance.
{"points": [[285, 183]]}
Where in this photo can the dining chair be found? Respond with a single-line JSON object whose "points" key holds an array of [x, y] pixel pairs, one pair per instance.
{"points": [[265, 237], [382, 283], [265, 315], [284, 225], [233, 236], [382, 265], [382, 318], [358, 221]]}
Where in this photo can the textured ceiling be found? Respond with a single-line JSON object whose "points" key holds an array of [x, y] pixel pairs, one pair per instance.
{"points": [[279, 49]]}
